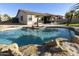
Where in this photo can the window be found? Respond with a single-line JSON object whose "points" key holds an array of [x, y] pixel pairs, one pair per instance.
{"points": [[30, 17], [21, 18]]}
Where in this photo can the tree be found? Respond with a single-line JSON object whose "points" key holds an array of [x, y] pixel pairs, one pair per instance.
{"points": [[76, 14], [6, 15], [69, 16], [72, 12], [0, 17]]}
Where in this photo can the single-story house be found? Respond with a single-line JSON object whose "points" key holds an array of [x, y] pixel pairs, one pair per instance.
{"points": [[30, 18]]}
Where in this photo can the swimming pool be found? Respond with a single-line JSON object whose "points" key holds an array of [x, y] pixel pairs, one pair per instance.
{"points": [[26, 36]]}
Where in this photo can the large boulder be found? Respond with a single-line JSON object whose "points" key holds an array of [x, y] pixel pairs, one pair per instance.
{"points": [[12, 49], [76, 39], [69, 49], [29, 50], [2, 46], [61, 47], [55, 43], [52, 46]]}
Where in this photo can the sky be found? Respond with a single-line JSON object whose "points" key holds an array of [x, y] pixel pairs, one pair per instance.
{"points": [[52, 8]]}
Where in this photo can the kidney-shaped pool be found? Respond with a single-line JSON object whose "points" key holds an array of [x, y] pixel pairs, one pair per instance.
{"points": [[26, 36]]}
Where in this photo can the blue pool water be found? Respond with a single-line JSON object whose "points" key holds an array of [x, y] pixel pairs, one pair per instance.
{"points": [[33, 36]]}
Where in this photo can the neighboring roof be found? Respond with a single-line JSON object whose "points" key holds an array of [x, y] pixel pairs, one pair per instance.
{"points": [[36, 13]]}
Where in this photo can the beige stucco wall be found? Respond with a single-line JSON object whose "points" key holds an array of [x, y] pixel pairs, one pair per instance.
{"points": [[24, 17], [34, 19]]}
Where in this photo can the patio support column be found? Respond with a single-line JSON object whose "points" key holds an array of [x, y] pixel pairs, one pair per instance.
{"points": [[37, 21]]}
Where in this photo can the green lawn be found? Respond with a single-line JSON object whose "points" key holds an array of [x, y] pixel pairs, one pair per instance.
{"points": [[76, 25]]}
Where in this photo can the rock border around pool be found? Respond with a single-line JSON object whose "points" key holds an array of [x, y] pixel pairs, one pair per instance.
{"points": [[58, 47]]}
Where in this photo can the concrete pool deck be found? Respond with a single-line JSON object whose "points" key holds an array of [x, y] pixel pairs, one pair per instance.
{"points": [[10, 27]]}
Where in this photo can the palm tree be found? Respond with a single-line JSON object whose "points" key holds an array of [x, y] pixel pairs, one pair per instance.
{"points": [[69, 16], [76, 14], [71, 13]]}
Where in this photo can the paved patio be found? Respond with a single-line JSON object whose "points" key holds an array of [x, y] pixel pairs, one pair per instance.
{"points": [[9, 27]]}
